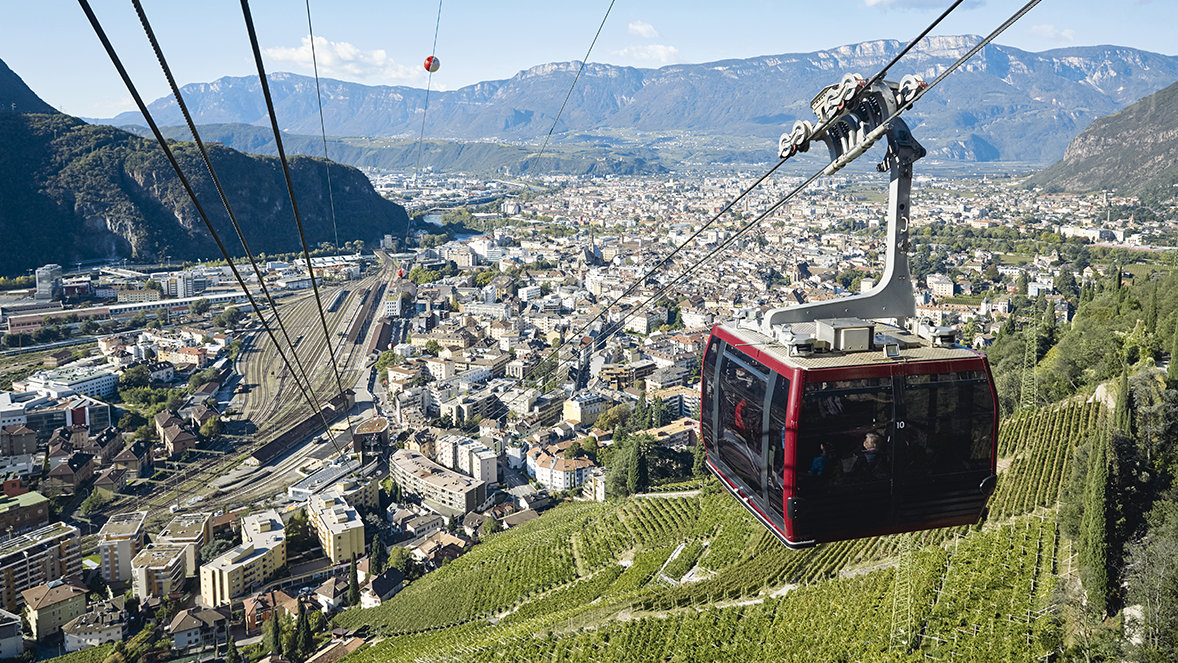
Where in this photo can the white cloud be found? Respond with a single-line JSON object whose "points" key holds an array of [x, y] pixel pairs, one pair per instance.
{"points": [[339, 59], [1052, 33], [656, 53], [642, 29]]}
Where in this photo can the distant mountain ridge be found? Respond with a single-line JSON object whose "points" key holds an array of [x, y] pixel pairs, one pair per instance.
{"points": [[1134, 151], [1006, 104], [73, 191]]}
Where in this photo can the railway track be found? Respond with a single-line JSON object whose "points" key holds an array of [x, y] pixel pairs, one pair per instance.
{"points": [[273, 401]]}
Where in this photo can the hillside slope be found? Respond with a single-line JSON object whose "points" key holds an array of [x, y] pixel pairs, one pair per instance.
{"points": [[75, 191], [1006, 104], [1133, 151], [694, 577]]}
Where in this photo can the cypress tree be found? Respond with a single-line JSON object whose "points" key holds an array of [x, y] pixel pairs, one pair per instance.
{"points": [[231, 653], [699, 465], [353, 585], [1172, 367], [1122, 417], [1151, 311], [632, 472], [1094, 528], [643, 476], [377, 557], [274, 632], [303, 640]]}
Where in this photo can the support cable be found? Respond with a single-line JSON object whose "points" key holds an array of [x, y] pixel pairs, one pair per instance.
{"points": [[167, 70], [793, 192], [117, 62], [425, 111], [322, 126], [584, 61], [253, 36]]}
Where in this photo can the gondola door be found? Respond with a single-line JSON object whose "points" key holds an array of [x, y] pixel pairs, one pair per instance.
{"points": [[741, 422], [845, 459]]}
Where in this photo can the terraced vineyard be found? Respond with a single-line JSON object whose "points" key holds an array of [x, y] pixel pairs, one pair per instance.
{"points": [[594, 581]]}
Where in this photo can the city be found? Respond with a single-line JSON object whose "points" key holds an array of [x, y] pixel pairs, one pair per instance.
{"points": [[161, 410], [727, 341]]}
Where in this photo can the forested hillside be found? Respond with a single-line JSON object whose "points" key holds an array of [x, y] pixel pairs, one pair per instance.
{"points": [[75, 191]]}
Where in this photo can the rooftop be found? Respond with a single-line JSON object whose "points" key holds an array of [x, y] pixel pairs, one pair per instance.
{"points": [[334, 513], [122, 525], [160, 556], [21, 501], [38, 536], [187, 527], [373, 425], [430, 472]]}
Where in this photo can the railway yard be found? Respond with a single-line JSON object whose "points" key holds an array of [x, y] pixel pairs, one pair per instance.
{"points": [[262, 401]]}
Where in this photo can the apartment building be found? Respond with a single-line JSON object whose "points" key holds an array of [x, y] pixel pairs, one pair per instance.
{"points": [[442, 489], [469, 456], [158, 571], [119, 540], [49, 606], [192, 531], [338, 526], [35, 558], [241, 570], [584, 408], [103, 623]]}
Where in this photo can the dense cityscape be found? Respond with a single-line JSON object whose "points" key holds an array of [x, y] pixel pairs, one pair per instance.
{"points": [[128, 389]]}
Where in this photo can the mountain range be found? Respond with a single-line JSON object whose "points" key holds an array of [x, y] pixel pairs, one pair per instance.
{"points": [[1005, 104], [74, 191]]}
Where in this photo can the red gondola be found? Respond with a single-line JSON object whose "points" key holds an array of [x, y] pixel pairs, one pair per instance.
{"points": [[846, 444], [828, 426]]}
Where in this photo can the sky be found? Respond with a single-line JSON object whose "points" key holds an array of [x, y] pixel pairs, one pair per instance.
{"points": [[50, 44]]}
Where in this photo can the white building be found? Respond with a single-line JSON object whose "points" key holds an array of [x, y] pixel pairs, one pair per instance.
{"points": [[940, 285], [85, 380]]}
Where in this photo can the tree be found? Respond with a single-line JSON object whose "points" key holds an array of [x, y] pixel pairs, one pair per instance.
{"points": [[636, 472], [231, 653], [1094, 529], [353, 585], [93, 502], [214, 548], [1172, 366], [210, 428], [377, 557], [401, 560], [200, 306], [1122, 416], [699, 465], [272, 641], [1152, 575], [432, 347], [229, 317], [136, 376], [304, 643], [492, 526]]}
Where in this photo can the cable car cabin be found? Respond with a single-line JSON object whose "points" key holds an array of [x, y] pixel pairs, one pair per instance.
{"points": [[882, 433]]}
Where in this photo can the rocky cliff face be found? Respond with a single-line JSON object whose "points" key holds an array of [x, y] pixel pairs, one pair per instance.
{"points": [[1006, 104], [1134, 151]]}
